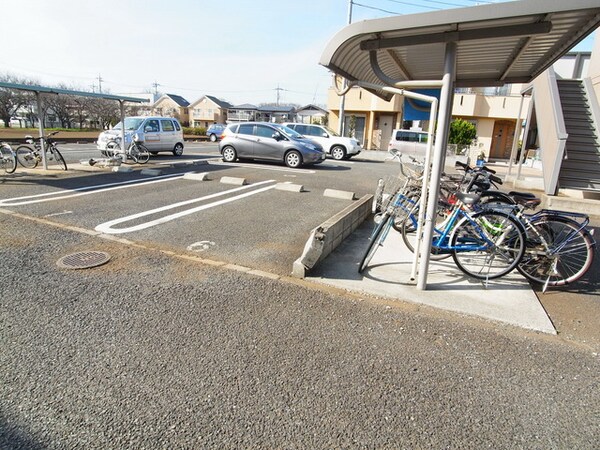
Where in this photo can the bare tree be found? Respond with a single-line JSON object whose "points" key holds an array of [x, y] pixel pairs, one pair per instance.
{"points": [[61, 106], [11, 99], [81, 109], [106, 112]]}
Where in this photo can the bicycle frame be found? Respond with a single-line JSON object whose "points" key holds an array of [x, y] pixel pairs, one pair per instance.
{"points": [[442, 234]]}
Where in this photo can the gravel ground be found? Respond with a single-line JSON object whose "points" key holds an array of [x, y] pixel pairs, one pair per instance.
{"points": [[151, 351]]}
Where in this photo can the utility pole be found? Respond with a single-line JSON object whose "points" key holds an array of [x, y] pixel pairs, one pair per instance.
{"points": [[100, 80], [155, 85], [278, 89], [344, 84]]}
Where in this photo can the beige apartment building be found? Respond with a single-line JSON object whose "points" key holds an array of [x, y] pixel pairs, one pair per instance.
{"points": [[208, 110], [493, 111], [171, 105]]}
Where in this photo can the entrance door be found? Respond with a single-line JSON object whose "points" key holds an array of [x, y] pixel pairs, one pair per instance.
{"points": [[359, 128], [386, 125], [502, 139]]}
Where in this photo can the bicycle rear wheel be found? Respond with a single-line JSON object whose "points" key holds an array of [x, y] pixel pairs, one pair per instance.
{"points": [[59, 158], [142, 153], [377, 239], [558, 252], [488, 245], [8, 160], [26, 157]]}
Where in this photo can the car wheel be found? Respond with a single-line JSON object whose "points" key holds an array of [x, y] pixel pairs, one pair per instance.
{"points": [[338, 152], [293, 159], [229, 154], [178, 149], [213, 138]]}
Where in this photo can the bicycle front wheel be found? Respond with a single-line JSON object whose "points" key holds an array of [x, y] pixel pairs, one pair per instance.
{"points": [[8, 160], [142, 153], [58, 158], [558, 252], [26, 157], [488, 244], [408, 229], [377, 239]]}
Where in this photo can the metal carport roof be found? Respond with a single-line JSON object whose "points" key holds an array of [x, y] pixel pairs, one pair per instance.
{"points": [[52, 90], [476, 46], [39, 90], [498, 43]]}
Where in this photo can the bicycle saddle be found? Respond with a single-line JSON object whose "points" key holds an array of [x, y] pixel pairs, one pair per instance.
{"points": [[468, 198]]}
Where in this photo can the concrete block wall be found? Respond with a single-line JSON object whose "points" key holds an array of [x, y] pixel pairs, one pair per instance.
{"points": [[325, 238]]}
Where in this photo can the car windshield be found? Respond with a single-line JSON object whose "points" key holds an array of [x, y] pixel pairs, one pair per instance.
{"points": [[130, 124], [288, 131]]}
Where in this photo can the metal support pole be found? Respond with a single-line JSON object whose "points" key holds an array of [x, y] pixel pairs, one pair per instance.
{"points": [[515, 139], [122, 110], [38, 97], [438, 158], [525, 136], [424, 190], [342, 125]]}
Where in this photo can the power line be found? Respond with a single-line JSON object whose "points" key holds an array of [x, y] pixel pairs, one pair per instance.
{"points": [[443, 3], [376, 9], [414, 4]]}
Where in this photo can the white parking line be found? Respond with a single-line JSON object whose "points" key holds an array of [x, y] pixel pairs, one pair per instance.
{"points": [[107, 227], [80, 191], [216, 162]]}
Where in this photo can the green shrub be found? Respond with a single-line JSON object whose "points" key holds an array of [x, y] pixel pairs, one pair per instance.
{"points": [[194, 131]]}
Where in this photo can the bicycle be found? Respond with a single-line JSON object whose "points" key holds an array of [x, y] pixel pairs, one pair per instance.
{"points": [[559, 248], [30, 157], [136, 151], [477, 180], [8, 160], [487, 244]]}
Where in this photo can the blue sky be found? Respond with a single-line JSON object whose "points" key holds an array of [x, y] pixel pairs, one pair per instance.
{"points": [[237, 50]]}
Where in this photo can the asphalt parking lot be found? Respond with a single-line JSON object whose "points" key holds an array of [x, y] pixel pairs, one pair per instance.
{"points": [[156, 350], [175, 345]]}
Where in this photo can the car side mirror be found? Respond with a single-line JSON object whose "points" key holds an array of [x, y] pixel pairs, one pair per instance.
{"points": [[325, 135], [277, 136]]}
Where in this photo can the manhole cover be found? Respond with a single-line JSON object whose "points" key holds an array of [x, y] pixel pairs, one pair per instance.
{"points": [[83, 260]]}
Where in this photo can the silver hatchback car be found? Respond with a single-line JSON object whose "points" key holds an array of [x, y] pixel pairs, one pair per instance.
{"points": [[269, 141]]}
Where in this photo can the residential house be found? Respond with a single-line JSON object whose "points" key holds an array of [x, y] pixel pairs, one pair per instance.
{"points": [[373, 118], [265, 113], [208, 110], [242, 113], [311, 114], [276, 114], [171, 105]]}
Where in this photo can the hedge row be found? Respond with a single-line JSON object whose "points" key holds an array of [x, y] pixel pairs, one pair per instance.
{"points": [[196, 131]]}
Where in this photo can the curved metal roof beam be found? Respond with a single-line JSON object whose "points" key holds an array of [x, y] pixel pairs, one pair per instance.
{"points": [[398, 83]]}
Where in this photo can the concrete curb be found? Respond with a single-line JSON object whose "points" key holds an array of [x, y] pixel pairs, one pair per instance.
{"points": [[334, 193], [290, 187], [327, 236], [123, 169], [197, 176], [151, 172], [234, 180]]}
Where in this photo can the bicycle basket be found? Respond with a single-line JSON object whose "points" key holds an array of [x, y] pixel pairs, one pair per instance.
{"points": [[388, 188]]}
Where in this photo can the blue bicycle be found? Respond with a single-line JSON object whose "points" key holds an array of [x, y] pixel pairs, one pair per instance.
{"points": [[485, 245]]}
